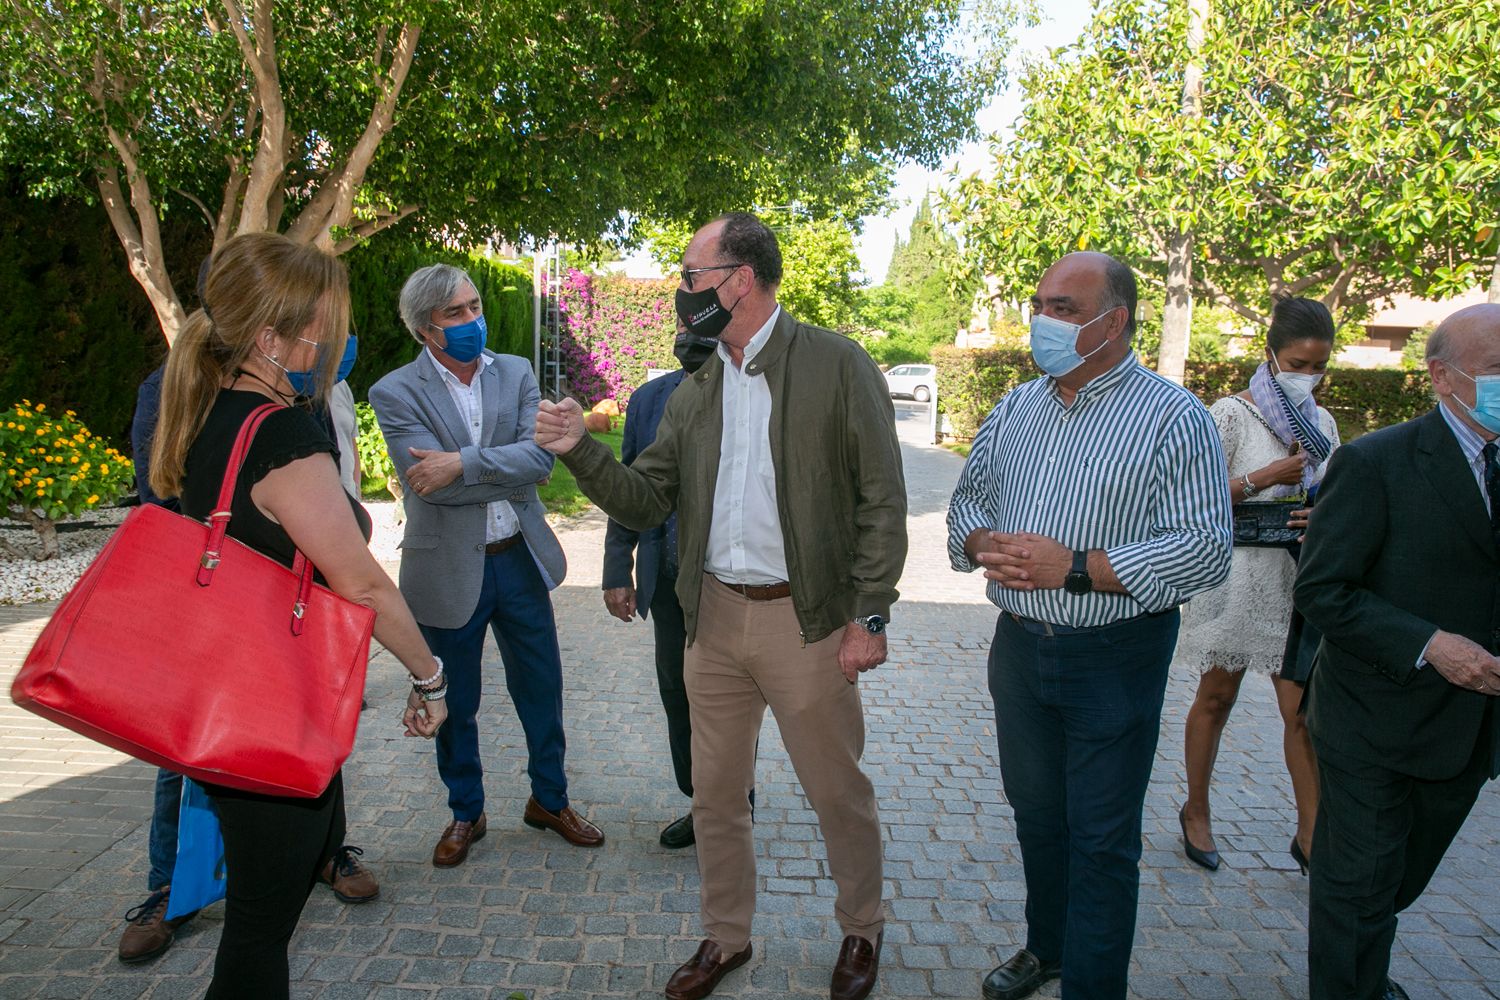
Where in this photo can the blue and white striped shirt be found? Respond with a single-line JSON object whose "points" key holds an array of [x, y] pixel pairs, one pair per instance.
{"points": [[1133, 467]]}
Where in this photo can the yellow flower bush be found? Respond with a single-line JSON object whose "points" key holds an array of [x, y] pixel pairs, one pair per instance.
{"points": [[52, 467]]}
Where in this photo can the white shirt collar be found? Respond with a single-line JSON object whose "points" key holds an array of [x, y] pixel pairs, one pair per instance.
{"points": [[452, 379]]}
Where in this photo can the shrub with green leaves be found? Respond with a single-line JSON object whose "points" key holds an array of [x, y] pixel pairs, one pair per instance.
{"points": [[375, 466], [54, 467]]}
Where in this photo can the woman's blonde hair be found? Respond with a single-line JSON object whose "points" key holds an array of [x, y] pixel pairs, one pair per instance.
{"points": [[255, 281]]}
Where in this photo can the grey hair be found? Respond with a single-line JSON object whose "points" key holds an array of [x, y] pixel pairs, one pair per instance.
{"points": [[430, 288], [1440, 344]]}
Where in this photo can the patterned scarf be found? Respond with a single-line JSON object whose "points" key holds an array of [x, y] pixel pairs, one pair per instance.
{"points": [[1290, 423]]}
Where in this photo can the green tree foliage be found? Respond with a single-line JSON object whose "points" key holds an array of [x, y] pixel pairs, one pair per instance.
{"points": [[470, 119], [927, 296], [1347, 149]]}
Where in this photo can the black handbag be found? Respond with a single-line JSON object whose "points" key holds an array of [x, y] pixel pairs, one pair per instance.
{"points": [[1264, 525]]}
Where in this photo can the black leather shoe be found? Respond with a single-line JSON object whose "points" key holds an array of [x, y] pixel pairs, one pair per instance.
{"points": [[1393, 992], [679, 834], [1019, 977], [1201, 858]]}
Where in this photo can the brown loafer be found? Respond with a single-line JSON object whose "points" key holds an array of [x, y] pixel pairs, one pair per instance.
{"points": [[701, 973], [351, 881], [453, 846], [567, 824], [855, 971]]}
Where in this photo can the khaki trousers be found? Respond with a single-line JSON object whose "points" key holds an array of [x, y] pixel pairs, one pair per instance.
{"points": [[747, 655]]}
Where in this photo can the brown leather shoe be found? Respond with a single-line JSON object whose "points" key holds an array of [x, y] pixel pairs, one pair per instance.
{"points": [[453, 846], [698, 977], [855, 971], [566, 824], [149, 932], [352, 882]]}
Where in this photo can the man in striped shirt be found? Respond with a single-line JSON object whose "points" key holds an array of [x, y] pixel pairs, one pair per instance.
{"points": [[1096, 501]]}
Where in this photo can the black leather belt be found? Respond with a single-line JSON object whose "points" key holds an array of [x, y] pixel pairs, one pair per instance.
{"points": [[764, 592], [1036, 627], [494, 548]]}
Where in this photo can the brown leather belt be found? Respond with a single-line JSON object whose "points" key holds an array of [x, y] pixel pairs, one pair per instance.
{"points": [[765, 592], [494, 548]]}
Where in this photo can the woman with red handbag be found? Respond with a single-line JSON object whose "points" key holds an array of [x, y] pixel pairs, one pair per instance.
{"points": [[272, 329]]}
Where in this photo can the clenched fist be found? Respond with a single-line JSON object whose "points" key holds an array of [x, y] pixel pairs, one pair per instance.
{"points": [[559, 426]]}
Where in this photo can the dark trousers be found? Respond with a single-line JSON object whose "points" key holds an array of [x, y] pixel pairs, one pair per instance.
{"points": [[513, 604], [671, 637], [1077, 717], [1379, 838], [273, 850], [162, 847]]}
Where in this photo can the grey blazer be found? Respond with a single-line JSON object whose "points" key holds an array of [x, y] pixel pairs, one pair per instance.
{"points": [[442, 552]]}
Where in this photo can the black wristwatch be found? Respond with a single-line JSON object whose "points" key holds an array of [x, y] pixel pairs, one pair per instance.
{"points": [[873, 624], [1078, 580]]}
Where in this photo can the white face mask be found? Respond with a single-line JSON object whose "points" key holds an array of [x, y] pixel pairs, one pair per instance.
{"points": [[1296, 385]]}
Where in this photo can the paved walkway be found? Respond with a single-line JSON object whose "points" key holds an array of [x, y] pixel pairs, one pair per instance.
{"points": [[529, 915]]}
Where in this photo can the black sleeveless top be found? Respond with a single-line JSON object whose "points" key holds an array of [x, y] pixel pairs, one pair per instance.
{"points": [[285, 436]]}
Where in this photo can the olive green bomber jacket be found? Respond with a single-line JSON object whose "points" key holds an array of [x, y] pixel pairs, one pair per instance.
{"points": [[840, 492]]}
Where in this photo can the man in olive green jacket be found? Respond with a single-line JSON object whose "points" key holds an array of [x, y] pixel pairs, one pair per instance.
{"points": [[780, 457]]}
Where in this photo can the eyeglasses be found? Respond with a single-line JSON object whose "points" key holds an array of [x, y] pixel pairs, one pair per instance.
{"points": [[688, 272]]}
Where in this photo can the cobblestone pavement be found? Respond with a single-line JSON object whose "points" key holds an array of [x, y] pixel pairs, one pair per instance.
{"points": [[529, 914]]}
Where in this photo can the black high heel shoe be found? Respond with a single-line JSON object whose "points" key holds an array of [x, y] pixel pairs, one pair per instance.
{"points": [[1298, 856], [1204, 859]]}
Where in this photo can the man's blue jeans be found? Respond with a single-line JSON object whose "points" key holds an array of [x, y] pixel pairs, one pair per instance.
{"points": [[163, 840], [1077, 715], [515, 607]]}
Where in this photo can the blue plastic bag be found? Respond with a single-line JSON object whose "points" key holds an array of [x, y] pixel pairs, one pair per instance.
{"points": [[198, 876]]}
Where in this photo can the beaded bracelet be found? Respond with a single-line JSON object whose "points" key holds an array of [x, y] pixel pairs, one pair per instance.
{"points": [[421, 684], [437, 695]]}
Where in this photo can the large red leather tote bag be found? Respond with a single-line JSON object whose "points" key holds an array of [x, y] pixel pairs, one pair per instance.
{"points": [[192, 651]]}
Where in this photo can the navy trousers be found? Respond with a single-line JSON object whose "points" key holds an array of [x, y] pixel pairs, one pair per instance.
{"points": [[1077, 717], [514, 605], [163, 840]]}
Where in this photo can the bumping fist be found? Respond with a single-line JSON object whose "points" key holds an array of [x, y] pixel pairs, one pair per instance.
{"points": [[559, 426]]}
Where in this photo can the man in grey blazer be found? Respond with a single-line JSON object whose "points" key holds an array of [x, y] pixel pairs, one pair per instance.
{"points": [[458, 422]]}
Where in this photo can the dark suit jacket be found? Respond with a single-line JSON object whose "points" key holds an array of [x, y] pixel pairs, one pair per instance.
{"points": [[1399, 546], [647, 404]]}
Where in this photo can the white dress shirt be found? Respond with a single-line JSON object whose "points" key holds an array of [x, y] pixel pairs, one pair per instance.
{"points": [[500, 520], [745, 544]]}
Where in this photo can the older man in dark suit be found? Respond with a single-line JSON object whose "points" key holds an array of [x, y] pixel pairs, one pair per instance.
{"points": [[1401, 572]]}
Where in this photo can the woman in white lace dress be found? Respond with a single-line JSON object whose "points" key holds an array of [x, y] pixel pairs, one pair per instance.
{"points": [[1276, 441]]}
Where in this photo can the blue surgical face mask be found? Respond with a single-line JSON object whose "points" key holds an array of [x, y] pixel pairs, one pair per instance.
{"points": [[1486, 409], [303, 383], [1054, 343], [465, 341]]}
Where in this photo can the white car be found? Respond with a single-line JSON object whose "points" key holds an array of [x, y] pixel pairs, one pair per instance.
{"points": [[915, 381]]}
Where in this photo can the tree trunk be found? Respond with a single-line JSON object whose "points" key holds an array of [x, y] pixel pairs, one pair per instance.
{"points": [[45, 530], [1495, 281], [1177, 318]]}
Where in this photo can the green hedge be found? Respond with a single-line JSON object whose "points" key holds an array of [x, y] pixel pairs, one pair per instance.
{"points": [[377, 271], [971, 382], [77, 332]]}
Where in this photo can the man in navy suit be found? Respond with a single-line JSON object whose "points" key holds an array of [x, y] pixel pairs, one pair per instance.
{"points": [[655, 588]]}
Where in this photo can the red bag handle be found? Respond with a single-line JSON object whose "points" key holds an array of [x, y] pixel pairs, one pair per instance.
{"points": [[218, 520]]}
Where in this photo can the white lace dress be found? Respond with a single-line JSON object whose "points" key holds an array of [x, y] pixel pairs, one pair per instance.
{"points": [[1242, 623]]}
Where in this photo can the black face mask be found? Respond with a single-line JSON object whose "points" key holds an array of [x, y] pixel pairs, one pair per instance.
{"points": [[702, 312], [693, 350]]}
